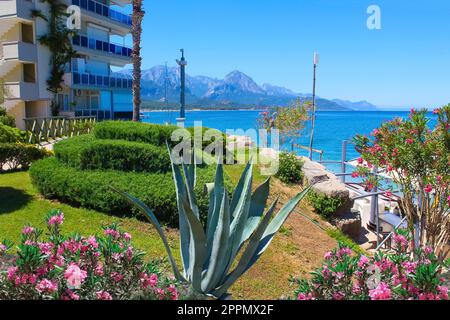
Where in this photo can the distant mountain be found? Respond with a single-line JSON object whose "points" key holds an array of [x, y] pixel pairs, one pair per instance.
{"points": [[236, 89]]}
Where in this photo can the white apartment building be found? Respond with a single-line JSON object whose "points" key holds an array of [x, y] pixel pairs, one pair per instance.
{"points": [[90, 88]]}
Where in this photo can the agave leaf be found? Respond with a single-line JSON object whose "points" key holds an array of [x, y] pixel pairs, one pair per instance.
{"points": [[248, 253], [215, 199], [220, 247], [189, 176], [240, 215], [257, 205], [185, 235], [239, 188], [276, 224], [197, 247], [153, 220]]}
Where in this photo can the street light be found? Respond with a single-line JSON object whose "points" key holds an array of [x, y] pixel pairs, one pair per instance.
{"points": [[313, 117]]}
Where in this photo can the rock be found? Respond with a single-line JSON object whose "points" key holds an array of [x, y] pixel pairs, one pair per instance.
{"points": [[350, 224]]}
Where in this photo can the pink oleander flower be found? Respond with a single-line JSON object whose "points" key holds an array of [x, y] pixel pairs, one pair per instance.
{"points": [[56, 220], [381, 292], [338, 296], [149, 281], [360, 160], [363, 261], [428, 188], [92, 241], [443, 292], [328, 255], [409, 141], [46, 286], [28, 230], [114, 233], [103, 295], [400, 240], [117, 277], [355, 174], [344, 252], [173, 292], [74, 276], [70, 295], [99, 269], [304, 296], [428, 250], [127, 236], [46, 247], [325, 272], [11, 273], [410, 267], [3, 248]]}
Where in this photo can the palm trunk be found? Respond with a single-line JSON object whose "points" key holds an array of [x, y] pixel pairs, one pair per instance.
{"points": [[136, 31]]}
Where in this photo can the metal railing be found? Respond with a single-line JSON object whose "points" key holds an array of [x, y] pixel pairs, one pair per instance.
{"points": [[99, 45], [296, 145], [47, 129], [88, 79], [103, 10], [373, 194]]}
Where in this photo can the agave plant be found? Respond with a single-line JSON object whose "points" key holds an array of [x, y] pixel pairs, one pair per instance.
{"points": [[209, 253]]}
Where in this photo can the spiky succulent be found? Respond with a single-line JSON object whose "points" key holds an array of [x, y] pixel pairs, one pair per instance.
{"points": [[241, 224]]}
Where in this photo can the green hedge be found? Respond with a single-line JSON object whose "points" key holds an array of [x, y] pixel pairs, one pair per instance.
{"points": [[10, 135], [20, 155], [87, 153], [91, 189], [323, 205], [150, 133], [134, 131]]}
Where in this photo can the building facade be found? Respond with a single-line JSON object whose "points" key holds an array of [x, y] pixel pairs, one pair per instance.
{"points": [[90, 87]]}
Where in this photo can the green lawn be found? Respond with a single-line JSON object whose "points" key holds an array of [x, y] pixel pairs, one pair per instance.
{"points": [[21, 204]]}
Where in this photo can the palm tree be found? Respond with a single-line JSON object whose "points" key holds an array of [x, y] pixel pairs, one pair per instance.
{"points": [[136, 31]]}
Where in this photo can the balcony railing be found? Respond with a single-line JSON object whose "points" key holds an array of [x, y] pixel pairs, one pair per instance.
{"points": [[103, 10], [87, 79], [99, 45]]}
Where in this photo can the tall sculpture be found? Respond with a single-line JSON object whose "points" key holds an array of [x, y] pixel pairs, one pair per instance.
{"points": [[182, 63]]}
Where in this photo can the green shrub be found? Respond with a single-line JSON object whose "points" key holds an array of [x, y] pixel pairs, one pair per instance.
{"points": [[290, 168], [10, 135], [135, 131], [92, 189], [6, 119], [19, 155], [86, 152], [324, 205]]}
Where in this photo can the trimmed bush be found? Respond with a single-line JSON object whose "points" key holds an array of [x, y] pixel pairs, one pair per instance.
{"points": [[19, 155], [6, 119], [290, 168], [92, 189], [135, 131], [87, 153], [10, 135], [324, 205]]}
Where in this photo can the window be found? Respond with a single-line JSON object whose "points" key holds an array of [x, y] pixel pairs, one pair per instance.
{"points": [[29, 73], [27, 33]]}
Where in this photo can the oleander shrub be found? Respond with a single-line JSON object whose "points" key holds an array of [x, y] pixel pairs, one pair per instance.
{"points": [[10, 135], [100, 267], [324, 205], [87, 153], [290, 168], [397, 275], [20, 155], [92, 188]]}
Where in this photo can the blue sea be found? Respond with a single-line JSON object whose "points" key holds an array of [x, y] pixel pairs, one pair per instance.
{"points": [[332, 127]]}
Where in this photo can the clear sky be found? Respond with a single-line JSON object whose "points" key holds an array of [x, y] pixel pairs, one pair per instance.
{"points": [[406, 63]]}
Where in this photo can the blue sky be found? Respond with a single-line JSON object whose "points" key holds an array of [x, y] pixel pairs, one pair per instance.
{"points": [[406, 63]]}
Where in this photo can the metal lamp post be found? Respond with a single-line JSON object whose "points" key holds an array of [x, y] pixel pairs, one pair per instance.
{"points": [[182, 63], [313, 117]]}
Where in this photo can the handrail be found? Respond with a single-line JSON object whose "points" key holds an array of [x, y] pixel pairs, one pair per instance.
{"points": [[320, 152], [46, 129], [103, 10], [100, 45], [390, 234]]}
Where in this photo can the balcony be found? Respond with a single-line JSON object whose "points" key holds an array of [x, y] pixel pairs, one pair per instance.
{"points": [[16, 50], [102, 14], [20, 9], [22, 90], [87, 80], [116, 54]]}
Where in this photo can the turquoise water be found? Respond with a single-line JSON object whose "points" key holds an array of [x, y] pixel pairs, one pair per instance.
{"points": [[331, 127]]}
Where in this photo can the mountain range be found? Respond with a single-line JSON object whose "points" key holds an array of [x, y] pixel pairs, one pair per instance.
{"points": [[236, 90]]}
